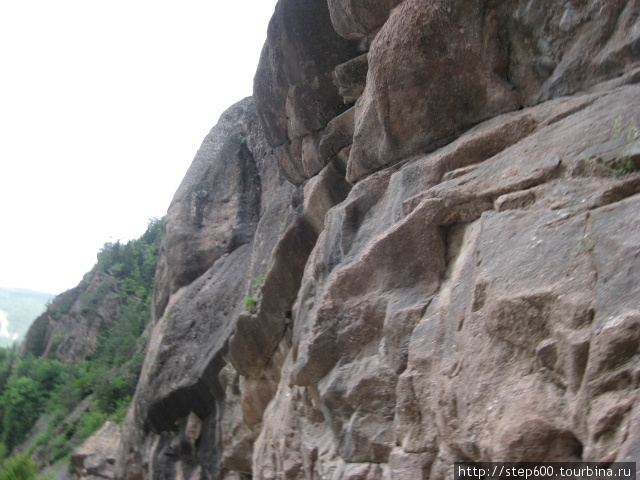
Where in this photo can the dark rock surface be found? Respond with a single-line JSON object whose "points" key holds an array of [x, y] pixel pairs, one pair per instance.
{"points": [[216, 207], [351, 78], [359, 18], [294, 91]]}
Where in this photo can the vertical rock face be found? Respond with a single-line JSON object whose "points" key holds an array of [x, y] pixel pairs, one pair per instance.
{"points": [[293, 88], [252, 233], [215, 209], [208, 248], [359, 18], [472, 297], [454, 311]]}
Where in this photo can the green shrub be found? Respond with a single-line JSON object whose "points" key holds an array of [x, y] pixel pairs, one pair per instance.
{"points": [[19, 467], [60, 446], [89, 423], [251, 304], [257, 282], [21, 404], [120, 411]]}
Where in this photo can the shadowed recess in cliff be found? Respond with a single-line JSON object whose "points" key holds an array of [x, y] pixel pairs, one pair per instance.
{"points": [[258, 335], [184, 354], [199, 398]]}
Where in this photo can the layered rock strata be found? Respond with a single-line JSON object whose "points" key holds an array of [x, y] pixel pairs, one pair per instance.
{"points": [[455, 276]]}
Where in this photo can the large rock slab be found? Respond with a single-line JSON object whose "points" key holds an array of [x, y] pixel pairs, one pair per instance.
{"points": [[215, 209], [226, 213], [425, 87], [96, 457], [436, 68], [460, 307]]}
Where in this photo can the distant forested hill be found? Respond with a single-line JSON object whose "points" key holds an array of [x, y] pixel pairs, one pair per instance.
{"points": [[18, 309], [79, 363]]}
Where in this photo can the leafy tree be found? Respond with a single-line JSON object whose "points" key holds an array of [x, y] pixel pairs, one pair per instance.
{"points": [[8, 356], [21, 405]]}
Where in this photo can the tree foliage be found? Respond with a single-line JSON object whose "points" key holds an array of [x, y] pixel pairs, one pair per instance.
{"points": [[19, 467]]}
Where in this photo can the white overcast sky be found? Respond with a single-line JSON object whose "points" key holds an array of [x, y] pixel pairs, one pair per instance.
{"points": [[103, 105]]}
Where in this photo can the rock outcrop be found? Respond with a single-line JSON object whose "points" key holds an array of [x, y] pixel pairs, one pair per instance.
{"points": [[446, 269], [294, 89], [438, 68], [97, 457], [69, 329]]}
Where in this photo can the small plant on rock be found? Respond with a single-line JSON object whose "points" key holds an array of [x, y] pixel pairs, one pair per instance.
{"points": [[257, 282], [251, 304], [624, 160]]}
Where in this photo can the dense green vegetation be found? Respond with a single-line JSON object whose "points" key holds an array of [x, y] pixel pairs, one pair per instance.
{"points": [[21, 308], [19, 467], [68, 402]]}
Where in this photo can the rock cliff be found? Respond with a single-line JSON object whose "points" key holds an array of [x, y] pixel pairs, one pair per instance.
{"points": [[417, 243], [69, 329]]}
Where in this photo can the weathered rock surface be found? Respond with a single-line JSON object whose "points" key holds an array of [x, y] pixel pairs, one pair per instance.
{"points": [[473, 297], [437, 68], [461, 307], [230, 187], [294, 91], [204, 322], [359, 18], [209, 217]]}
